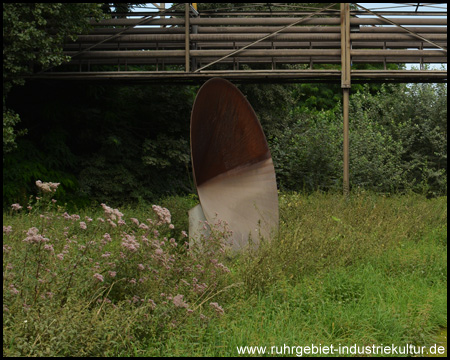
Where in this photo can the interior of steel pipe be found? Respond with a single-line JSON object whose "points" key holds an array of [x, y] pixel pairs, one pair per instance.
{"points": [[232, 165]]}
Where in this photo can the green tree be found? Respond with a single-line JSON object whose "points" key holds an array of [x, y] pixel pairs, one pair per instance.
{"points": [[32, 38]]}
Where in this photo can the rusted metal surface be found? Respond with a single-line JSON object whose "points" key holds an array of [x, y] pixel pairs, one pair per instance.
{"points": [[232, 165]]}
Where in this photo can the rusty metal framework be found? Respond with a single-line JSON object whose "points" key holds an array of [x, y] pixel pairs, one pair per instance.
{"points": [[182, 44]]}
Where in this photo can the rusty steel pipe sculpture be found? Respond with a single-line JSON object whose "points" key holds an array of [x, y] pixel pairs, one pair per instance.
{"points": [[232, 165]]}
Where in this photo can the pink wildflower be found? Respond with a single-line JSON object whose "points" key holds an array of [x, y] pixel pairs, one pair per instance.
{"points": [[60, 256], [34, 236], [7, 248], [179, 302], [16, 207], [112, 273], [110, 213], [134, 220], [152, 304], [171, 226], [217, 308], [222, 267], [184, 234], [83, 225], [200, 288], [47, 187], [144, 240], [112, 223], [163, 214], [13, 289], [129, 242], [141, 267], [7, 229], [49, 247], [143, 226], [98, 277]]}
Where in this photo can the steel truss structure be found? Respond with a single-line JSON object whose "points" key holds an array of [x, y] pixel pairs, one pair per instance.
{"points": [[179, 44]]}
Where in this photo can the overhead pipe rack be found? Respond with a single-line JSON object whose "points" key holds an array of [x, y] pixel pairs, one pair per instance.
{"points": [[186, 44]]}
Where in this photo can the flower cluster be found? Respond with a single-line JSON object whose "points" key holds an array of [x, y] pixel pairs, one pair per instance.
{"points": [[7, 229], [112, 214], [99, 277], [179, 302], [47, 187], [135, 265], [16, 207], [163, 215], [73, 217], [33, 236], [219, 310], [129, 242]]}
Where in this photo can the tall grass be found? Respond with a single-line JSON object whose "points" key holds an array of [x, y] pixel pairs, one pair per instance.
{"points": [[363, 270]]}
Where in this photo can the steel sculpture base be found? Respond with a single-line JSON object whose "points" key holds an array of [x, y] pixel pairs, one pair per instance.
{"points": [[197, 226]]}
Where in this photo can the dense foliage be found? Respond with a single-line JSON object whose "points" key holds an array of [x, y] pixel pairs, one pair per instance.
{"points": [[398, 142]]}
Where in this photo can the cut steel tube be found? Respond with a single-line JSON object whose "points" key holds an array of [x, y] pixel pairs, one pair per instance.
{"points": [[232, 165]]}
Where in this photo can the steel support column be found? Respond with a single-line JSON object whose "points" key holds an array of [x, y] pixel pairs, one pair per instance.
{"points": [[345, 85], [186, 36]]}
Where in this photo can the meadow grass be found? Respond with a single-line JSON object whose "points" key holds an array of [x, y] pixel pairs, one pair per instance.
{"points": [[362, 270]]}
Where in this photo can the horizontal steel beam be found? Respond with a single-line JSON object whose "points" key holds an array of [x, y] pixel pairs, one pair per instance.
{"points": [[266, 29], [267, 21], [254, 53], [256, 36], [262, 60], [275, 75], [215, 13], [203, 53], [262, 45], [403, 53]]}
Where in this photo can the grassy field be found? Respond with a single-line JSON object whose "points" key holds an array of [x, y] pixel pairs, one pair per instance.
{"points": [[366, 271]]}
